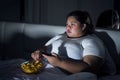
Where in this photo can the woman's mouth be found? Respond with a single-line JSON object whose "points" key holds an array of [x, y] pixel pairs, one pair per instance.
{"points": [[68, 31]]}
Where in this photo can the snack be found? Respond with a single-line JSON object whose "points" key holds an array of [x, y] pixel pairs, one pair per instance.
{"points": [[31, 67]]}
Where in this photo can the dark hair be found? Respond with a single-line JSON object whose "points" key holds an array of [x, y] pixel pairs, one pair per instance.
{"points": [[84, 18]]}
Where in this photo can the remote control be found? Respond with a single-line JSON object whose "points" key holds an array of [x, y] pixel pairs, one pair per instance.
{"points": [[48, 54]]}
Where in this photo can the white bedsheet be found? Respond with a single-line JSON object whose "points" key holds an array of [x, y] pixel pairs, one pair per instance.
{"points": [[10, 70]]}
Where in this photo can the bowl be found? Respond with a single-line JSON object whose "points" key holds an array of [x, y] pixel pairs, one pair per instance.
{"points": [[31, 67]]}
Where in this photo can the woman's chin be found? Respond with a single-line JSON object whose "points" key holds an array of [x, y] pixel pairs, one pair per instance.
{"points": [[69, 36]]}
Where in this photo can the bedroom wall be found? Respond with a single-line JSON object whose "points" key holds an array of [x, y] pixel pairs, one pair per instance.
{"points": [[51, 12]]}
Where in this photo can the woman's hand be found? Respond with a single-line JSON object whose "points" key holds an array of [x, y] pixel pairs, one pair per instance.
{"points": [[36, 55], [53, 60]]}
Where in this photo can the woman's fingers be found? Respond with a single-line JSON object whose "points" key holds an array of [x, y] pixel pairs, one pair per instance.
{"points": [[36, 55], [49, 57], [54, 54]]}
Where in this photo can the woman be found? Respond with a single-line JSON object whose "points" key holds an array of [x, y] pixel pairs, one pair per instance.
{"points": [[79, 49]]}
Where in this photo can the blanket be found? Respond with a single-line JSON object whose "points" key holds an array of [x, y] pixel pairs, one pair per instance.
{"points": [[10, 70]]}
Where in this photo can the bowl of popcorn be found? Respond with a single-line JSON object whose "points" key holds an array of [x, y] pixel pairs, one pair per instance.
{"points": [[31, 67]]}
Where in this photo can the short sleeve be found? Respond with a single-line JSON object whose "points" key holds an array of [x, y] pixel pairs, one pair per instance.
{"points": [[93, 47]]}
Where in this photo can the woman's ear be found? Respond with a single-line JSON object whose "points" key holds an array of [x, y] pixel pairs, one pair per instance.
{"points": [[84, 26]]}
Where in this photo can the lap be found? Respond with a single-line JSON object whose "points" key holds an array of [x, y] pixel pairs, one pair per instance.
{"points": [[80, 76], [10, 70]]}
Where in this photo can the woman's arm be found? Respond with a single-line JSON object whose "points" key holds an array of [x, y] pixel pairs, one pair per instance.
{"points": [[89, 63]]}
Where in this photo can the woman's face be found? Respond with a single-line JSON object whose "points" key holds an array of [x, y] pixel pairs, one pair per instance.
{"points": [[73, 27]]}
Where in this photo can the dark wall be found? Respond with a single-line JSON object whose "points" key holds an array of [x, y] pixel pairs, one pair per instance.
{"points": [[10, 10], [117, 5], [46, 11]]}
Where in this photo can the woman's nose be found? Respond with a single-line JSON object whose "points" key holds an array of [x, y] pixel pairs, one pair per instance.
{"points": [[68, 26]]}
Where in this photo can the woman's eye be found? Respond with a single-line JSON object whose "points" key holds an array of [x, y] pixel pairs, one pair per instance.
{"points": [[72, 24], [66, 24]]}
